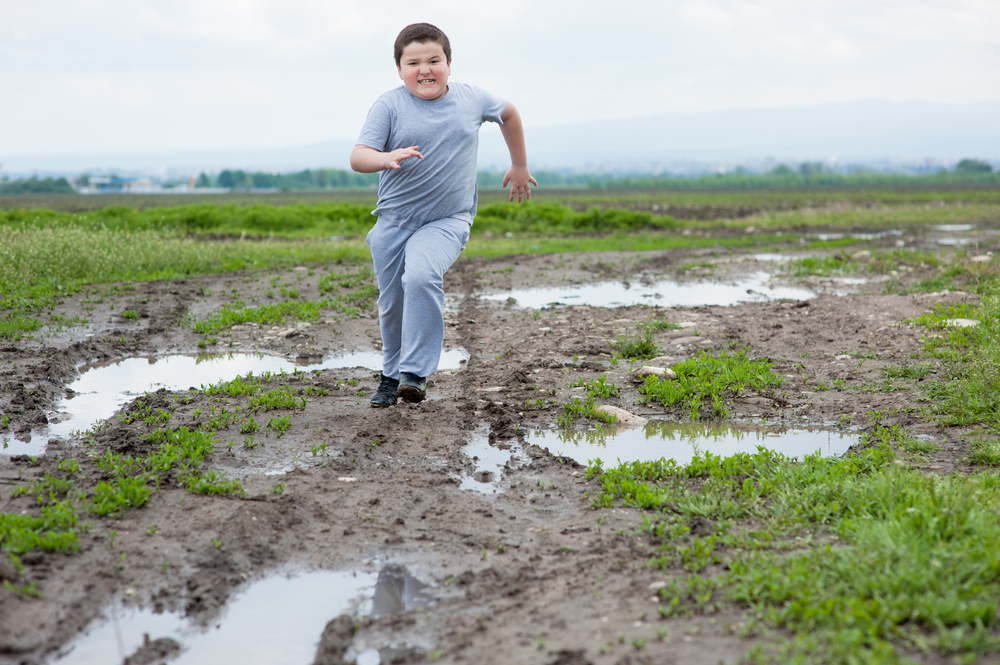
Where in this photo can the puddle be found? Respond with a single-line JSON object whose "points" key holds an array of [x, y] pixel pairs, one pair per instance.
{"points": [[277, 620], [770, 258], [893, 233], [957, 242], [103, 388], [953, 228], [489, 462], [680, 441], [751, 288]]}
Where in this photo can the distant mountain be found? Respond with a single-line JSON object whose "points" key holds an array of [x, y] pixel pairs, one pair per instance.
{"points": [[851, 131], [861, 131]]}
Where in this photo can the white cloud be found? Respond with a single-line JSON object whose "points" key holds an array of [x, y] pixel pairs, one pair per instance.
{"points": [[145, 75]]}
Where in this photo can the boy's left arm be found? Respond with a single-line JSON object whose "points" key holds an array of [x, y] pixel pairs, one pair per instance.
{"points": [[518, 175]]}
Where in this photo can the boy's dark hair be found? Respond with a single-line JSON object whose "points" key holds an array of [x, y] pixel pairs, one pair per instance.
{"points": [[423, 33]]}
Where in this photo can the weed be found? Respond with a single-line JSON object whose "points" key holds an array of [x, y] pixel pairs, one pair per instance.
{"points": [[130, 315], [708, 381], [985, 451], [825, 266], [915, 372], [911, 567], [30, 589], [249, 426], [637, 346]]}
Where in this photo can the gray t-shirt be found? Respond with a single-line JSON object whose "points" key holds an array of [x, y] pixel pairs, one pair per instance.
{"points": [[446, 131]]}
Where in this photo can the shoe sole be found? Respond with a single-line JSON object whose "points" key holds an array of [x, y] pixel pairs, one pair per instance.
{"points": [[381, 406], [410, 394]]}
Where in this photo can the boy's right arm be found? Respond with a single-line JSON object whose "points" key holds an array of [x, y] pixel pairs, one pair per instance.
{"points": [[370, 160]]}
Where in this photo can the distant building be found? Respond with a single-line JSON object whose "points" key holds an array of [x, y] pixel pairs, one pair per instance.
{"points": [[109, 185]]}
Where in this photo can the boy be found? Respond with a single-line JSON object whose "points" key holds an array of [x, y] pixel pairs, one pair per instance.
{"points": [[423, 138]]}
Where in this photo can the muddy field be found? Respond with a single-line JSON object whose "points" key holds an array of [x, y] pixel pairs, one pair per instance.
{"points": [[468, 564]]}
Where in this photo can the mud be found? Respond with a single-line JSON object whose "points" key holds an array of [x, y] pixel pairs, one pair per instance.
{"points": [[525, 571]]}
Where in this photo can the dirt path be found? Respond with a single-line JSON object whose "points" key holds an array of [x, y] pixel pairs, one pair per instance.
{"points": [[529, 573]]}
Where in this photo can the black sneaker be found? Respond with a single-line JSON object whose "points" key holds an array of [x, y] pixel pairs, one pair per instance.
{"points": [[386, 393], [412, 388]]}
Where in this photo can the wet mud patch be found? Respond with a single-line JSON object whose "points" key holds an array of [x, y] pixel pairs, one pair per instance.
{"points": [[524, 572]]}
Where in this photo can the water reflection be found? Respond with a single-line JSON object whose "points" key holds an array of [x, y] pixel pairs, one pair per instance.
{"points": [[489, 461], [681, 441], [398, 591], [750, 288], [103, 388], [278, 620]]}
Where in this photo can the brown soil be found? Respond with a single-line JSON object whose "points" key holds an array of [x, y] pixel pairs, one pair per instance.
{"points": [[530, 574]]}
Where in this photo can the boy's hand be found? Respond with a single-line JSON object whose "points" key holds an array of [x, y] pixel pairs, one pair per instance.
{"points": [[519, 177], [392, 159]]}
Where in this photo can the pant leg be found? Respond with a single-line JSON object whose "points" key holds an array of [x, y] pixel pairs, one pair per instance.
{"points": [[429, 252], [387, 244]]}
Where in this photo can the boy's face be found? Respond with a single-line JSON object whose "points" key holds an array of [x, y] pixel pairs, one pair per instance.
{"points": [[424, 70]]}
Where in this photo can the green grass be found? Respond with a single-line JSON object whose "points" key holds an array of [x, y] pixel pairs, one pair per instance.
{"points": [[129, 483], [969, 393], [852, 558], [362, 294], [637, 346], [822, 265], [271, 314], [596, 389], [40, 266], [709, 381], [48, 255]]}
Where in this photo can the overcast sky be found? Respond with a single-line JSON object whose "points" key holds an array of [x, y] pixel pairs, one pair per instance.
{"points": [[141, 75]]}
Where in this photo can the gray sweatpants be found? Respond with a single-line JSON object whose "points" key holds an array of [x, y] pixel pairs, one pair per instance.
{"points": [[410, 266]]}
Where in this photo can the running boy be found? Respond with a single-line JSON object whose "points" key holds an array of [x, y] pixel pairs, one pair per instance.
{"points": [[423, 138]]}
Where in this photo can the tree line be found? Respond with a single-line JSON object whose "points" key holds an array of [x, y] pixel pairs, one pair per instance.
{"points": [[806, 174]]}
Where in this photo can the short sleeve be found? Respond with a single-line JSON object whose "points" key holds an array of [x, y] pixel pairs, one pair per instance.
{"points": [[493, 106], [378, 124]]}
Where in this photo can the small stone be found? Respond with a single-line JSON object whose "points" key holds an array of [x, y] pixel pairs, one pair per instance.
{"points": [[656, 586], [623, 418], [300, 269], [347, 479], [646, 370], [751, 229], [982, 258], [682, 341], [863, 254], [843, 356], [660, 361], [494, 389], [962, 323]]}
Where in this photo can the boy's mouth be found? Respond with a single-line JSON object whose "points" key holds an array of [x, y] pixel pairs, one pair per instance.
{"points": [[425, 81]]}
